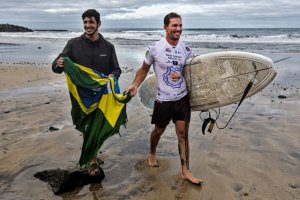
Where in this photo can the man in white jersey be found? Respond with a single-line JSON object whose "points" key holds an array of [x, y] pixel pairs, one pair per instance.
{"points": [[168, 57]]}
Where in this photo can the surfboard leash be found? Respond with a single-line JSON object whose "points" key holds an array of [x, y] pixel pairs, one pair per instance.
{"points": [[246, 91], [281, 59], [214, 121]]}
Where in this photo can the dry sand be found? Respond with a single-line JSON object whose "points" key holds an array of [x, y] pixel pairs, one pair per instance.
{"points": [[256, 157]]}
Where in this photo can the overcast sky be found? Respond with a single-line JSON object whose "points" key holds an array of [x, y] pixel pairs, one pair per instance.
{"points": [[61, 14]]}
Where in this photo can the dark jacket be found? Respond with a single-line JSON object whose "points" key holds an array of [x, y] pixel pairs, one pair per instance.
{"points": [[99, 55]]}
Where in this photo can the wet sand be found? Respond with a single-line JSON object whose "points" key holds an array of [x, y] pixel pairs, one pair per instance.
{"points": [[256, 157]]}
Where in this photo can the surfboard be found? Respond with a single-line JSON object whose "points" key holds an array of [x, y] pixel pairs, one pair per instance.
{"points": [[217, 79]]}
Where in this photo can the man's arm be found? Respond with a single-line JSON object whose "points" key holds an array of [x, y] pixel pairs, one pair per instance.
{"points": [[139, 78], [58, 63]]}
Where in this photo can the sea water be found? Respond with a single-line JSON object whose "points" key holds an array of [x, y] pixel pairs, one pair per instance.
{"points": [[131, 44]]}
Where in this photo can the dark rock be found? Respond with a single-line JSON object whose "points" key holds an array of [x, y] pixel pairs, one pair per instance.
{"points": [[13, 28], [52, 128], [282, 97], [62, 181]]}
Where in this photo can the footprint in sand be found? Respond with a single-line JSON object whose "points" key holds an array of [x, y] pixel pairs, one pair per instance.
{"points": [[216, 162], [142, 165], [295, 155], [237, 187], [294, 185]]}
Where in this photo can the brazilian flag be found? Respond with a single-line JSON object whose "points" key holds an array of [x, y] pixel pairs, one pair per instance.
{"points": [[98, 108]]}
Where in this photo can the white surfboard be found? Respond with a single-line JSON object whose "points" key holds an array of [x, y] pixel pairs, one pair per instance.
{"points": [[217, 79]]}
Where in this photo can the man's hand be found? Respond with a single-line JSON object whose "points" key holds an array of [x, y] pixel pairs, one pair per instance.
{"points": [[60, 62], [132, 90]]}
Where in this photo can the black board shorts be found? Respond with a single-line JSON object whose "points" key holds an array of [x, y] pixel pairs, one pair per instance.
{"points": [[165, 111]]}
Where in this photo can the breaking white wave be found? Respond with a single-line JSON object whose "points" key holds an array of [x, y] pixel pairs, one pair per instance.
{"points": [[207, 36]]}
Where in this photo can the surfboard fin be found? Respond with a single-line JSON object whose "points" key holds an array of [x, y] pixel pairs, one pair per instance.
{"points": [[206, 122]]}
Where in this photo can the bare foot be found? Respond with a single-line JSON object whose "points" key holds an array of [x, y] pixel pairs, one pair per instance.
{"points": [[93, 169], [187, 175], [152, 161]]}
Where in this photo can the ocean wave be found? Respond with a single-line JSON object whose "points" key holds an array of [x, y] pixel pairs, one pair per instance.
{"points": [[210, 36], [293, 35]]}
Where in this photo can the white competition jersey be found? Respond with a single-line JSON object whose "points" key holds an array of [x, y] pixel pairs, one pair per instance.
{"points": [[168, 62]]}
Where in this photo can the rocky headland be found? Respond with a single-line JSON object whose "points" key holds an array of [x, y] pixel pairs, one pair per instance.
{"points": [[13, 28]]}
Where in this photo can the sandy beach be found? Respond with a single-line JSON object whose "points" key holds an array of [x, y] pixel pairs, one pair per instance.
{"points": [[256, 157]]}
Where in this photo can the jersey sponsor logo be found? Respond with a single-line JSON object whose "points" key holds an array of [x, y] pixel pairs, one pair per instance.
{"points": [[173, 77]]}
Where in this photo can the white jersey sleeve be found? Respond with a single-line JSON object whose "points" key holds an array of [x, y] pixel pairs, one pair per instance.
{"points": [[149, 57]]}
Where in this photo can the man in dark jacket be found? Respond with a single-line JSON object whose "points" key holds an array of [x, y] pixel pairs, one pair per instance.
{"points": [[90, 49], [93, 51]]}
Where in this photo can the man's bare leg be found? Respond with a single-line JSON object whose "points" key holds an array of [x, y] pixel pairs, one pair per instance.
{"points": [[154, 139], [183, 148]]}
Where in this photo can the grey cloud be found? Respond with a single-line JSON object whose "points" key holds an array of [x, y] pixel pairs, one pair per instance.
{"points": [[212, 13]]}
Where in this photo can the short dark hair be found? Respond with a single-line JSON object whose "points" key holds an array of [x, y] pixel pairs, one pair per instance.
{"points": [[170, 16], [91, 13]]}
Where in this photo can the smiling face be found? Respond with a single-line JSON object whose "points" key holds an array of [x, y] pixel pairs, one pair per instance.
{"points": [[90, 26], [174, 29]]}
